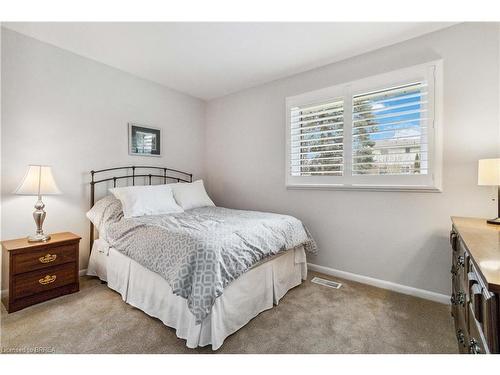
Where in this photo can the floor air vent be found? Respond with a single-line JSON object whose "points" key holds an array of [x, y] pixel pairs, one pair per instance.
{"points": [[325, 282]]}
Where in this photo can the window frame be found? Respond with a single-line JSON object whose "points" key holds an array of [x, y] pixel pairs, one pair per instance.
{"points": [[431, 182]]}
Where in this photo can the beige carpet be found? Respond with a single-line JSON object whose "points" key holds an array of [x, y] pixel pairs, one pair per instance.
{"points": [[310, 319]]}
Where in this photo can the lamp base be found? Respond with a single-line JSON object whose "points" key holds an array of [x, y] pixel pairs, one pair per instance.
{"points": [[39, 238], [494, 221], [39, 216]]}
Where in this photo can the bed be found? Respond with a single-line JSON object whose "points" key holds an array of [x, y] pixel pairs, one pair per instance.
{"points": [[206, 271]]}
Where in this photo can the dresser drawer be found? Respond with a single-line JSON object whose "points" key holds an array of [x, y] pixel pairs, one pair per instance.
{"points": [[43, 258], [43, 280]]}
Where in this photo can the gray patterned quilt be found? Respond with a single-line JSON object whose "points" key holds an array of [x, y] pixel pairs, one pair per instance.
{"points": [[200, 251]]}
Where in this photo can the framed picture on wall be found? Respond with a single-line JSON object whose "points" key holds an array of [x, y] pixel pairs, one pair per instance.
{"points": [[144, 140]]}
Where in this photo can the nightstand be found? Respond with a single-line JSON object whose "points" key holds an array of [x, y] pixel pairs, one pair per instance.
{"points": [[39, 271]]}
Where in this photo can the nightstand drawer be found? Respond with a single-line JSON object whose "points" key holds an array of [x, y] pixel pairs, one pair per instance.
{"points": [[43, 258], [42, 280]]}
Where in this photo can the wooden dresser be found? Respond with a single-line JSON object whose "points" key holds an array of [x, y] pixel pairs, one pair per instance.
{"points": [[475, 275], [39, 271]]}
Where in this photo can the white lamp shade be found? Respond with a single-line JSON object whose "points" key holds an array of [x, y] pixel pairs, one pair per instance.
{"points": [[38, 181], [489, 172]]}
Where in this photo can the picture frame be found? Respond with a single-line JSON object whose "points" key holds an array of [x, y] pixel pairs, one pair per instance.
{"points": [[144, 140]]}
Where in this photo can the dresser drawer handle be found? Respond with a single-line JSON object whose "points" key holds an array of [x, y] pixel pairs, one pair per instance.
{"points": [[47, 279], [458, 299], [48, 258], [471, 276], [461, 337], [474, 347]]}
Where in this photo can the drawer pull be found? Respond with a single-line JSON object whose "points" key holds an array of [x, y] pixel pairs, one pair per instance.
{"points": [[474, 347], [47, 279], [458, 299], [460, 261], [461, 337], [48, 258], [471, 276]]}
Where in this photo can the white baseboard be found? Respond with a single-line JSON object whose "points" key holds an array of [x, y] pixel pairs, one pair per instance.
{"points": [[82, 272], [426, 294]]}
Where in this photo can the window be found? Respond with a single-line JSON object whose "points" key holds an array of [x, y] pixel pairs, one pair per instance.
{"points": [[381, 132]]}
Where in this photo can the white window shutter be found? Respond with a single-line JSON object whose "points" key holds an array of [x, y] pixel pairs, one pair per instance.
{"points": [[316, 139], [389, 131]]}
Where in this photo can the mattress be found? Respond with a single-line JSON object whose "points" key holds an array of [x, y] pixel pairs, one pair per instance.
{"points": [[202, 250], [255, 291]]}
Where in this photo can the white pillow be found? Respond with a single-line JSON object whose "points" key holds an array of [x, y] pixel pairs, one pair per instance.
{"points": [[146, 200], [105, 211], [191, 195]]}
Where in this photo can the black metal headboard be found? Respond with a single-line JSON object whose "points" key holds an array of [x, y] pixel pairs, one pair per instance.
{"points": [[168, 174]]}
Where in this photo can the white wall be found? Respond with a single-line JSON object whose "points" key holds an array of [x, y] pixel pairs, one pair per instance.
{"points": [[400, 237], [61, 109], [70, 112]]}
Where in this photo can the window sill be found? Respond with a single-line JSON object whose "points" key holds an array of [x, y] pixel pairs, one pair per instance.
{"points": [[386, 188]]}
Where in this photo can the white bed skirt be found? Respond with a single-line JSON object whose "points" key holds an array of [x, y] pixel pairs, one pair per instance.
{"points": [[253, 292]]}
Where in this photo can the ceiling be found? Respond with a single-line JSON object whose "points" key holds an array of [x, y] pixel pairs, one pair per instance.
{"points": [[209, 60]]}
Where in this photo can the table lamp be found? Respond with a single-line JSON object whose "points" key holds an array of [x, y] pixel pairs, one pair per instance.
{"points": [[38, 181], [489, 175]]}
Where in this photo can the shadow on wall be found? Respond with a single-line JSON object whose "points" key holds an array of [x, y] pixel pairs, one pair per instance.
{"points": [[438, 242]]}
